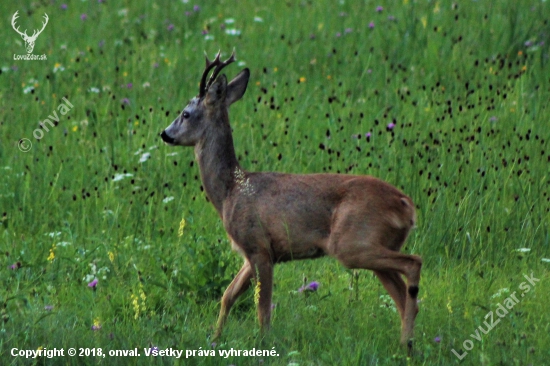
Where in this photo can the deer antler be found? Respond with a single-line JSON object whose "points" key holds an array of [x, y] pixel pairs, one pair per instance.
{"points": [[13, 19], [35, 34], [209, 65]]}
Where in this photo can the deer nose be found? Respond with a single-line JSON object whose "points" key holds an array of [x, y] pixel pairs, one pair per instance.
{"points": [[164, 136]]}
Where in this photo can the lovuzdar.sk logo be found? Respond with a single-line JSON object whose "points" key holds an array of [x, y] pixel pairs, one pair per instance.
{"points": [[29, 40]]}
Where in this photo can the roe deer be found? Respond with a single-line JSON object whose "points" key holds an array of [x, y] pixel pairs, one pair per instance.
{"points": [[274, 217]]}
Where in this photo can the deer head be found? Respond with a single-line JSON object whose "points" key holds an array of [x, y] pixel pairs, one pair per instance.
{"points": [[207, 113], [29, 40]]}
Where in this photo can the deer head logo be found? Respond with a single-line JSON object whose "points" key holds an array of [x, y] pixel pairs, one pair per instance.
{"points": [[29, 40]]}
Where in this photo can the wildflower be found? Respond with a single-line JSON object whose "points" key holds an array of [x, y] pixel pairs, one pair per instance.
{"points": [[93, 284], [390, 126], [371, 25], [437, 339], [523, 250], [348, 30], [379, 9], [257, 293], [48, 307], [182, 226], [391, 18], [196, 8], [96, 325], [233, 32], [493, 119], [83, 17], [63, 6], [368, 135], [111, 256], [15, 266], [170, 27], [126, 101], [51, 257], [302, 79], [338, 34], [311, 287]]}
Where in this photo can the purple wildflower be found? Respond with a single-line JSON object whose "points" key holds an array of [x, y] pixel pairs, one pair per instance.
{"points": [[48, 307], [368, 135], [83, 17], [311, 287], [348, 30], [390, 126], [170, 27], [126, 101], [437, 339], [63, 6], [391, 18], [204, 32], [196, 8], [371, 25], [101, 43], [338, 34], [493, 119], [187, 13], [129, 85], [155, 65], [379, 9], [96, 327], [93, 284], [15, 266], [213, 344]]}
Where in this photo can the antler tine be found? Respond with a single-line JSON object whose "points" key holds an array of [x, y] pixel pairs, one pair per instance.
{"points": [[219, 67], [13, 20], [209, 66]]}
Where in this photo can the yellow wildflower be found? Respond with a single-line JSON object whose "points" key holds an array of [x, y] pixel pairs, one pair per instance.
{"points": [[51, 257], [257, 293], [449, 307], [182, 226]]}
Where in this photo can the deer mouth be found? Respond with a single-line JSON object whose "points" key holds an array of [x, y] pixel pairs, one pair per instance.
{"points": [[169, 140]]}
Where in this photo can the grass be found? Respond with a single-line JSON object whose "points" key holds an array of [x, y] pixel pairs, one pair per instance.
{"points": [[465, 85]]}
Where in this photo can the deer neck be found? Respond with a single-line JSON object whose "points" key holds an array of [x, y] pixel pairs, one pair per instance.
{"points": [[218, 164]]}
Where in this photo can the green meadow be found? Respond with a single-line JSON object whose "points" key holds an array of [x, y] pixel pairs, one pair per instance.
{"points": [[107, 240]]}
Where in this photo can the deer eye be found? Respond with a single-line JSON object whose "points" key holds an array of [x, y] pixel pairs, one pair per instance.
{"points": [[185, 114]]}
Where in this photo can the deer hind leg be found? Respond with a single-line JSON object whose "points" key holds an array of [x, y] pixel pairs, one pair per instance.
{"points": [[238, 286], [374, 256], [262, 269]]}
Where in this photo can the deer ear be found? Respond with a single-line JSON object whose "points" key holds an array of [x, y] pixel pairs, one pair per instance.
{"points": [[217, 91], [237, 87]]}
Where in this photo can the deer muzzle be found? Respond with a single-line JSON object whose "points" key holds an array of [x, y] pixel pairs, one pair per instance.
{"points": [[169, 140]]}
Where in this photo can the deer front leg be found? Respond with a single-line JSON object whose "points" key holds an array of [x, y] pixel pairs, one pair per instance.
{"points": [[238, 286], [263, 273]]}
